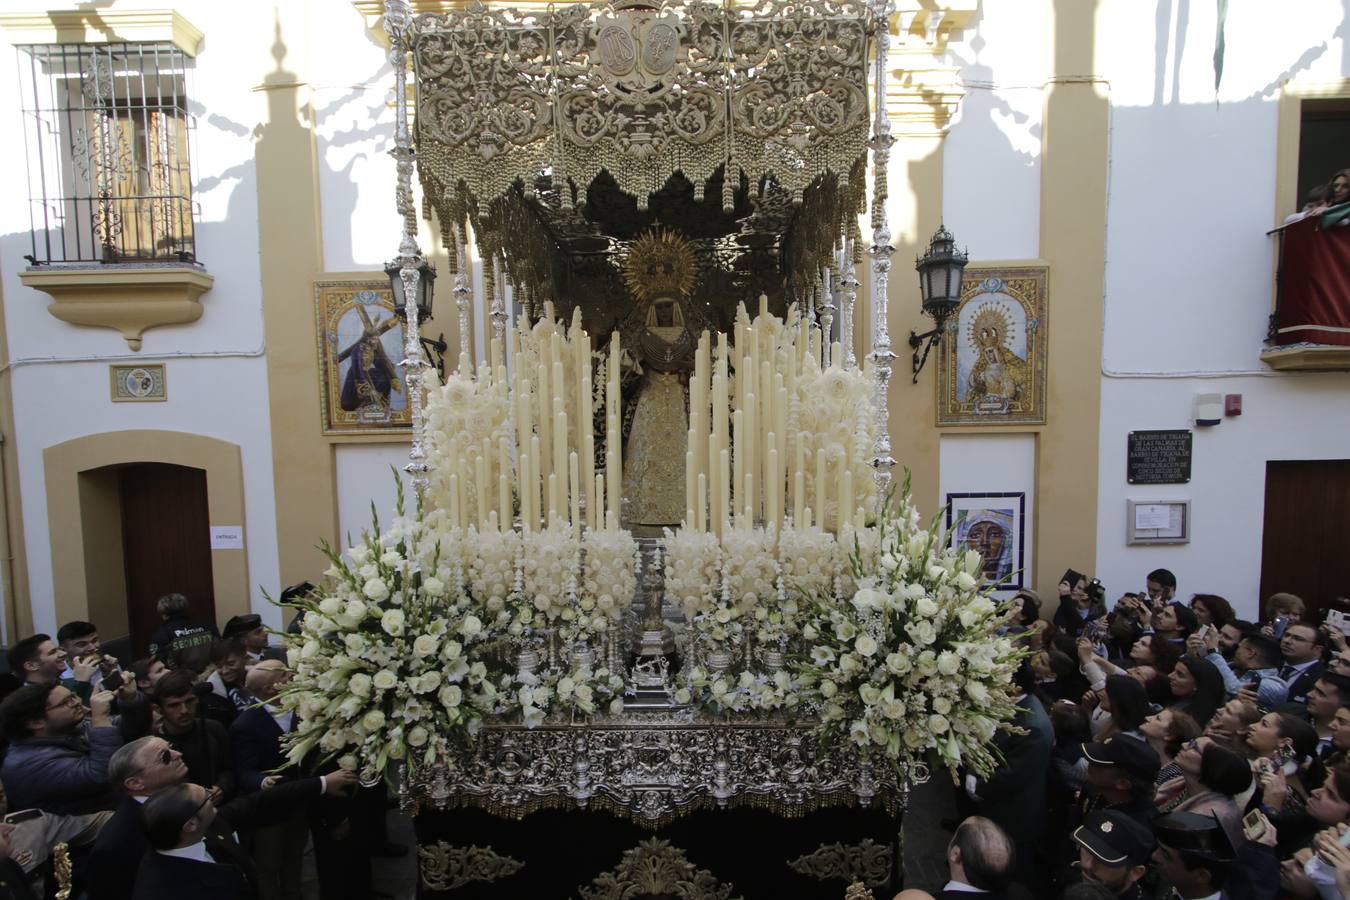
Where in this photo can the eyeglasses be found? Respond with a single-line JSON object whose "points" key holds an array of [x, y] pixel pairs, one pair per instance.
{"points": [[71, 701], [201, 806]]}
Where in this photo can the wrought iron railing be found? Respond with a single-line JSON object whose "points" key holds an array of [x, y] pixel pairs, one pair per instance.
{"points": [[107, 133]]}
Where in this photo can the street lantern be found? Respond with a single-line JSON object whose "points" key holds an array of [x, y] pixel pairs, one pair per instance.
{"points": [[941, 270], [426, 279]]}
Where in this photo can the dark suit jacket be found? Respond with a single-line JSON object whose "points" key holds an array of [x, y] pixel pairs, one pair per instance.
{"points": [[1299, 687], [966, 895], [255, 741], [1014, 796], [110, 872], [230, 877]]}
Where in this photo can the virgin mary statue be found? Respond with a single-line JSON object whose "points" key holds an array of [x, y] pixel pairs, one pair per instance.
{"points": [[653, 461]]}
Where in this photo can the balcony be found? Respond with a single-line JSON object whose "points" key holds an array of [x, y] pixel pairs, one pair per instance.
{"points": [[1310, 327]]}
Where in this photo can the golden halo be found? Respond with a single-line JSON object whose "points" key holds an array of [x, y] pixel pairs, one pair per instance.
{"points": [[990, 316], [660, 263]]}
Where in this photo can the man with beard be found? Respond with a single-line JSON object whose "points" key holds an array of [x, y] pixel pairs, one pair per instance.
{"points": [[1113, 852]]}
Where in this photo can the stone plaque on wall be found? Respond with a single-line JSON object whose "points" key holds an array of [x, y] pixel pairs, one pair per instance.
{"points": [[1159, 457]]}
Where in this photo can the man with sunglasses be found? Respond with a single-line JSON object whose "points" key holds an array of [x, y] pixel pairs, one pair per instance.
{"points": [[148, 765], [59, 751]]}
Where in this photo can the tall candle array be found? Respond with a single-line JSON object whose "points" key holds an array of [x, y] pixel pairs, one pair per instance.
{"points": [[771, 436]]}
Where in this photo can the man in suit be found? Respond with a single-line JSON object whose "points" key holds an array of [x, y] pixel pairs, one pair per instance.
{"points": [[192, 845], [1013, 797], [980, 862], [1302, 645], [1113, 852], [149, 765]]}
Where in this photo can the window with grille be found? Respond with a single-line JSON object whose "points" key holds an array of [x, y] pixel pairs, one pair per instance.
{"points": [[107, 131]]}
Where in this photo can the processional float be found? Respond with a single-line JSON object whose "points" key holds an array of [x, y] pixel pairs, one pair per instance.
{"points": [[650, 572]]}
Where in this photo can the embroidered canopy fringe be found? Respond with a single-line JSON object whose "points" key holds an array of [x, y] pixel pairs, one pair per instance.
{"points": [[520, 111]]}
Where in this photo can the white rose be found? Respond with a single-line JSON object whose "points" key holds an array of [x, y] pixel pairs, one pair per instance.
{"points": [[828, 689], [425, 645], [948, 663], [897, 663], [471, 626], [433, 587], [977, 692], [451, 650], [348, 762], [376, 590], [942, 705], [866, 645], [451, 695], [330, 606], [428, 682], [893, 709], [384, 680], [870, 694], [616, 706], [938, 724], [392, 622], [417, 736], [866, 598], [373, 720], [356, 611], [925, 607], [390, 558], [360, 684], [349, 707], [722, 615]]}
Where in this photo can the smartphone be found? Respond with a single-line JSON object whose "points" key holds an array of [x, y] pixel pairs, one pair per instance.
{"points": [[1204, 631], [114, 681], [23, 815], [1281, 623], [1254, 825], [1256, 680]]}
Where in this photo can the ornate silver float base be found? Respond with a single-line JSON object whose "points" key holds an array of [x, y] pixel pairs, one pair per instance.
{"points": [[654, 766]]}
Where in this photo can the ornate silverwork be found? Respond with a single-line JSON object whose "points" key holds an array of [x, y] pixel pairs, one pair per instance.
{"points": [[656, 868], [396, 19], [445, 867], [880, 252], [868, 862]]}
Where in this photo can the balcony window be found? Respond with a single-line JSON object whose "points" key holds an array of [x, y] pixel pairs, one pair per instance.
{"points": [[107, 133]]}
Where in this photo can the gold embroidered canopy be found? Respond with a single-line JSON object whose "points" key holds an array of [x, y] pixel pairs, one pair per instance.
{"points": [[561, 134]]}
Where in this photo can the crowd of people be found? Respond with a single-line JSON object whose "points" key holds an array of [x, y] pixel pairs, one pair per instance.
{"points": [[166, 778], [1164, 749]]}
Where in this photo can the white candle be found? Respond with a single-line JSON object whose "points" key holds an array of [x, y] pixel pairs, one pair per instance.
{"points": [[822, 488], [481, 489], [700, 510], [752, 451], [545, 422], [690, 479], [738, 438], [599, 492], [552, 499], [526, 479], [454, 500], [574, 490], [771, 514], [799, 498], [723, 483], [503, 503], [845, 497], [537, 481]]}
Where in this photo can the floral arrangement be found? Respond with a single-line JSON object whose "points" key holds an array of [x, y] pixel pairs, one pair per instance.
{"points": [[388, 661], [910, 662], [693, 569]]}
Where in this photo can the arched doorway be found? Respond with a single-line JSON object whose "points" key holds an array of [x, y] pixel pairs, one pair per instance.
{"points": [[129, 515]]}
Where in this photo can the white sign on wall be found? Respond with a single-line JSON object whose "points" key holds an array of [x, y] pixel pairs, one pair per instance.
{"points": [[227, 537]]}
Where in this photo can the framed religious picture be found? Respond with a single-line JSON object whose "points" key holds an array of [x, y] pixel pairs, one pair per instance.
{"points": [[991, 361], [362, 388], [992, 524]]}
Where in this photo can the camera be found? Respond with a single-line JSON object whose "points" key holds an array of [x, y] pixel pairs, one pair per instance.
{"points": [[1096, 590]]}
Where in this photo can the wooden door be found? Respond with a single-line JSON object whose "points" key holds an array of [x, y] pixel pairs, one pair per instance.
{"points": [[1305, 545], [166, 541]]}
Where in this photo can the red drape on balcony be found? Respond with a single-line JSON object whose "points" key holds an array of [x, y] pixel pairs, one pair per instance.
{"points": [[1314, 284]]}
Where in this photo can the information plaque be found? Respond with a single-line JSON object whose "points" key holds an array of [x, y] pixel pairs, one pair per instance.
{"points": [[1159, 457]]}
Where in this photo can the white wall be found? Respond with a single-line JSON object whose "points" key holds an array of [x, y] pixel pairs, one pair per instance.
{"points": [[971, 463], [1189, 275], [216, 374], [364, 477], [991, 184]]}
